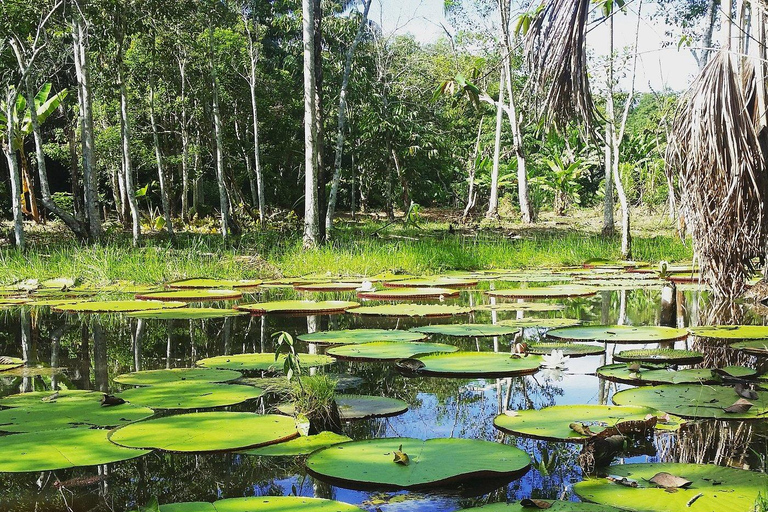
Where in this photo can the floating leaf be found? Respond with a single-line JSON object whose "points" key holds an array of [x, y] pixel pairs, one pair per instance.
{"points": [[637, 374], [187, 314], [660, 355], [425, 310], [548, 292], [299, 307], [409, 294], [202, 282], [154, 377], [753, 347], [519, 306], [581, 429], [745, 392], [731, 332], [190, 395], [117, 306], [426, 282], [669, 481], [401, 457], [468, 330], [555, 506], [619, 334], [568, 349], [387, 350], [360, 407], [740, 406], [264, 504], [192, 295], [477, 364], [9, 363], [303, 445], [265, 362], [537, 504], [350, 336]]}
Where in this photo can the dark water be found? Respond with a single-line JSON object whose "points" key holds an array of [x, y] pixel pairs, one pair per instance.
{"points": [[93, 349]]}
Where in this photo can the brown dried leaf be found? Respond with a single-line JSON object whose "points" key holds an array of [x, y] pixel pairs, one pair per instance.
{"points": [[669, 481], [740, 406], [582, 429], [745, 392], [531, 503], [401, 457]]}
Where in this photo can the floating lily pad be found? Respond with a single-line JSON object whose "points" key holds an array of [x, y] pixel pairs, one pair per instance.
{"points": [[361, 407], [60, 449], [660, 355], [432, 463], [187, 314], [304, 307], [754, 347], [41, 397], [425, 310], [409, 293], [468, 330], [553, 506], [568, 349], [13, 302], [387, 350], [117, 306], [717, 488], [190, 395], [653, 375], [534, 277], [206, 432], [519, 306], [326, 287], [731, 332], [192, 295], [541, 323], [544, 292], [154, 377], [554, 423], [9, 363], [264, 362], [622, 284], [438, 282], [303, 445], [264, 504], [350, 336], [214, 283], [478, 364], [694, 401], [52, 303], [619, 334]]}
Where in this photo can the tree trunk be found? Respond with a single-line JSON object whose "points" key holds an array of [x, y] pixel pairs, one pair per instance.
{"points": [[125, 132], [610, 119], [472, 169], [13, 168], [223, 199], [184, 143], [77, 186], [526, 212], [259, 195], [342, 120], [319, 127], [493, 202], [311, 221], [702, 57], [406, 193]]}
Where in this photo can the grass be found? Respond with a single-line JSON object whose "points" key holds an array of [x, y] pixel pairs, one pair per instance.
{"points": [[361, 248]]}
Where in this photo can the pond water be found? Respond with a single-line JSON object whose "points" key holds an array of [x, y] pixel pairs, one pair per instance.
{"points": [[88, 351]]}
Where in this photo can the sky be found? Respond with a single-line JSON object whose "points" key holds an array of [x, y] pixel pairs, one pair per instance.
{"points": [[658, 67]]}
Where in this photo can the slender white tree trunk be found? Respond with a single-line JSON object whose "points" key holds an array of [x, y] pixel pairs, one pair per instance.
{"points": [[223, 198], [493, 202], [162, 178], [254, 56], [184, 142], [472, 170], [13, 167], [130, 190], [311, 220], [608, 220]]}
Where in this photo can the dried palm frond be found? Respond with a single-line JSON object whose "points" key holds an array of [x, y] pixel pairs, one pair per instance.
{"points": [[556, 54], [715, 149]]}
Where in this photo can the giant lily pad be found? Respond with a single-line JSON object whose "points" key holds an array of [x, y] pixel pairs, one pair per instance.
{"points": [[478, 364], [568, 349], [541, 323], [554, 423], [551, 505], [467, 330], [618, 334], [652, 374], [154, 377], [264, 362], [350, 336], [694, 401], [409, 293], [190, 395], [326, 287], [263, 504], [192, 295], [712, 488], [9, 363], [304, 307], [545, 292], [660, 355], [431, 463], [206, 432], [303, 445], [424, 282], [520, 306], [754, 347], [425, 310], [36, 398], [60, 449], [187, 313], [387, 350], [731, 332], [202, 282], [360, 407], [117, 306]]}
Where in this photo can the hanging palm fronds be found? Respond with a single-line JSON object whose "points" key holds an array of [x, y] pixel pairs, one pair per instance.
{"points": [[716, 150], [556, 54]]}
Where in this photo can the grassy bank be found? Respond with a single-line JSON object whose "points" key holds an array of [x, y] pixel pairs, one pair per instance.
{"points": [[361, 248]]}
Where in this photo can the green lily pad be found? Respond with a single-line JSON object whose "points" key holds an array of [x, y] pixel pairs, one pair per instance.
{"points": [[541, 323], [478, 364], [718, 488], [544, 292], [264, 362], [350, 336], [190, 395], [731, 332], [303, 445], [654, 375], [192, 295], [202, 282], [304, 307], [425, 310], [264, 504], [468, 330], [52, 303], [187, 314], [622, 284], [534, 277], [206, 432], [660, 355], [13, 302], [387, 350], [409, 293], [695, 401], [117, 306], [60, 449], [432, 463], [154, 377], [568, 349], [326, 287], [754, 347], [553, 423], [360, 407], [619, 334], [437, 282], [554, 506], [520, 306], [9, 363]]}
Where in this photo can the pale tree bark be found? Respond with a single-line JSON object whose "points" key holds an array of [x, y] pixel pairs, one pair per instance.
{"points": [[319, 126], [161, 174], [13, 167], [125, 136], [342, 119], [471, 194], [311, 221], [253, 55], [493, 202], [184, 140], [223, 198], [610, 120]]}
